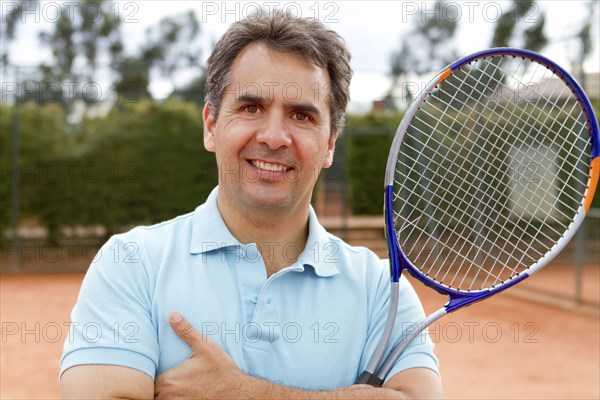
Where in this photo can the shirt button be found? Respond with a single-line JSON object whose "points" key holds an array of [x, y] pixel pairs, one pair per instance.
{"points": [[254, 299]]}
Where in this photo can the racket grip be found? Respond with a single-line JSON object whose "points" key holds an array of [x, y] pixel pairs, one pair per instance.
{"points": [[367, 378]]}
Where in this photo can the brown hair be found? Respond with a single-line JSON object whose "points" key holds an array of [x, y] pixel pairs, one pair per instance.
{"points": [[283, 32]]}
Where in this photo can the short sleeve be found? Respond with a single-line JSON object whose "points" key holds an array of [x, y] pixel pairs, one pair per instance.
{"points": [[111, 322]]}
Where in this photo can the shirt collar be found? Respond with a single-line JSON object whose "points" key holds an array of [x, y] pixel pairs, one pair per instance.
{"points": [[210, 233], [320, 252]]}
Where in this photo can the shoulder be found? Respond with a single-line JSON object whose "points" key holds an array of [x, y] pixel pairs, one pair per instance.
{"points": [[368, 270], [141, 248], [156, 232], [161, 235], [361, 254], [357, 263], [357, 254]]}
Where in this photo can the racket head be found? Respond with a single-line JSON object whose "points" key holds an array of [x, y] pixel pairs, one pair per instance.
{"points": [[491, 172]]}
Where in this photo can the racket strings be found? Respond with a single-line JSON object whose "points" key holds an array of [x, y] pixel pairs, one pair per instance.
{"points": [[452, 217], [468, 226], [486, 237], [448, 249], [463, 199], [463, 180], [513, 113], [526, 122], [580, 120], [575, 121], [448, 127]]}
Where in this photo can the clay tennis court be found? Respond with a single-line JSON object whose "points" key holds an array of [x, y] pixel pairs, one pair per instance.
{"points": [[508, 347]]}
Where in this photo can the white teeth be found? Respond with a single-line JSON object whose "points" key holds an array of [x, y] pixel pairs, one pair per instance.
{"points": [[268, 166]]}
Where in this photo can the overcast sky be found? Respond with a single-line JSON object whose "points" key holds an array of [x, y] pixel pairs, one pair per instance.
{"points": [[372, 29]]}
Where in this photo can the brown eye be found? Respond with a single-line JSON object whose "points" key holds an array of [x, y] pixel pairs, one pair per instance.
{"points": [[251, 108], [301, 116]]}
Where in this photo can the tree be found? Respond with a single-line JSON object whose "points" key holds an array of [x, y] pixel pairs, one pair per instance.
{"points": [[193, 92], [511, 24], [172, 46], [87, 32], [87, 38], [585, 43], [428, 46], [134, 79], [13, 13]]}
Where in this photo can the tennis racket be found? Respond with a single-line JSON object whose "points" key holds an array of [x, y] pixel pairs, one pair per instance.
{"points": [[491, 172]]}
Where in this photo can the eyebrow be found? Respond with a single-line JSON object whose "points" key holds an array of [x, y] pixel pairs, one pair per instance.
{"points": [[250, 98], [302, 107], [307, 108]]}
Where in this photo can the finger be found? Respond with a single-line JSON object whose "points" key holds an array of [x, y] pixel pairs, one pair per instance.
{"points": [[186, 331]]}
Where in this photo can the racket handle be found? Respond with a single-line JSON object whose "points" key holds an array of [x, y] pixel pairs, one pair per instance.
{"points": [[367, 378]]}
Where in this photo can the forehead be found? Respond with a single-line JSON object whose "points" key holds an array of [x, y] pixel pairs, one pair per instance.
{"points": [[273, 75]]}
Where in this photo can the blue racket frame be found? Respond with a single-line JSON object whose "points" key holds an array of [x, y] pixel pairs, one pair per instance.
{"points": [[399, 262]]}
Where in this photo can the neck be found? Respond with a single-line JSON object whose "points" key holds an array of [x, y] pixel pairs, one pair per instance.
{"points": [[280, 235]]}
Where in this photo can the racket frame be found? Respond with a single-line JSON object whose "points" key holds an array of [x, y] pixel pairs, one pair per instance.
{"points": [[399, 262]]}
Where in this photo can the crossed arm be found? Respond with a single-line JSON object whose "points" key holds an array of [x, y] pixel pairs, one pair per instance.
{"points": [[209, 373]]}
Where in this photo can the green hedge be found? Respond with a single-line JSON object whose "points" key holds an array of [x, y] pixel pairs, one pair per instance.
{"points": [[368, 140], [140, 164], [42, 140]]}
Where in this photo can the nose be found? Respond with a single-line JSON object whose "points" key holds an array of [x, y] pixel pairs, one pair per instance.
{"points": [[274, 133]]}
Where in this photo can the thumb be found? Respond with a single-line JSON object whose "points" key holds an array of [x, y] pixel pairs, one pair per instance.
{"points": [[186, 331]]}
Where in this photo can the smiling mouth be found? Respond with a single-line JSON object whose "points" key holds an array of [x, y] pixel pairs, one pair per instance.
{"points": [[267, 166]]}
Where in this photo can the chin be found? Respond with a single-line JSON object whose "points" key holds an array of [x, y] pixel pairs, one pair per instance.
{"points": [[272, 203], [266, 198]]}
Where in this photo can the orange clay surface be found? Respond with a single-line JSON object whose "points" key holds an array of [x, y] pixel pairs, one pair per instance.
{"points": [[507, 347]]}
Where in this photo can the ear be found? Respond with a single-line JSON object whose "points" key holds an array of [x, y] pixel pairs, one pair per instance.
{"points": [[209, 127], [328, 160]]}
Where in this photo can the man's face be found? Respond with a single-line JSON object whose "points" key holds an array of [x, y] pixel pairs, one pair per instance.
{"points": [[272, 134]]}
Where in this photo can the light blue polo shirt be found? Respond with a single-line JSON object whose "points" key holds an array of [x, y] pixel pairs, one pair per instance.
{"points": [[313, 325]]}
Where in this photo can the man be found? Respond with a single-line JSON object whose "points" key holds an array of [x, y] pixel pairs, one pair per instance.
{"points": [[248, 296]]}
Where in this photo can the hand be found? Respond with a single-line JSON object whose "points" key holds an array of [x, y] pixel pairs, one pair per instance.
{"points": [[209, 372]]}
